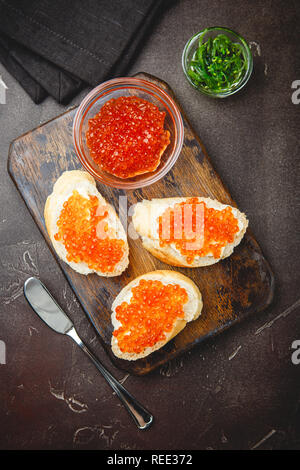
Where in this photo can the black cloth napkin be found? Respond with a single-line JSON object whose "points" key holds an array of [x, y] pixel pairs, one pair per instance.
{"points": [[56, 47]]}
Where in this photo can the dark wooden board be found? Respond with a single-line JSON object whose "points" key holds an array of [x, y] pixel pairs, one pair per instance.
{"points": [[240, 285]]}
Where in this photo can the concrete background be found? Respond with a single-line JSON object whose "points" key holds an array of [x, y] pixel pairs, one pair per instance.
{"points": [[237, 391]]}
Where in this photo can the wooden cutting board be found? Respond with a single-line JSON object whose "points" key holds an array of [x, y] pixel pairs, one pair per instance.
{"points": [[240, 285]]}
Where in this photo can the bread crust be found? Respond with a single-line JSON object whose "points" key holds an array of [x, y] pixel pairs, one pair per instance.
{"points": [[165, 276], [62, 189], [144, 222]]}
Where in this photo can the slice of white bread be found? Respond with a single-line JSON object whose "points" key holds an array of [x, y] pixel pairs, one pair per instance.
{"points": [[145, 221], [85, 185], [192, 308]]}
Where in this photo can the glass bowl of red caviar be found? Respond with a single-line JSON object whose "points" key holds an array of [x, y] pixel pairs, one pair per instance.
{"points": [[125, 88]]}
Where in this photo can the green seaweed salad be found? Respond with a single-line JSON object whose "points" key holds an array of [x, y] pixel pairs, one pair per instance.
{"points": [[218, 64]]}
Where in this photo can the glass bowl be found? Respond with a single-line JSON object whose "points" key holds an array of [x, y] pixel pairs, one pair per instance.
{"points": [[192, 45], [115, 88]]}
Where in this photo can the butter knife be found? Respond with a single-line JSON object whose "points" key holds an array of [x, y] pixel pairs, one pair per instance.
{"points": [[42, 302]]}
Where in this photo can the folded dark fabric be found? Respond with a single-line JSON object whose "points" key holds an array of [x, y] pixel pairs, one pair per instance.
{"points": [[45, 75], [62, 45], [37, 93]]}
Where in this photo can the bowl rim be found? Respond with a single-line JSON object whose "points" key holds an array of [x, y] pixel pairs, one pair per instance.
{"points": [[105, 88], [249, 62]]}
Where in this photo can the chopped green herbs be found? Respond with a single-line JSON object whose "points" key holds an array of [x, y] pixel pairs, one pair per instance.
{"points": [[218, 64]]}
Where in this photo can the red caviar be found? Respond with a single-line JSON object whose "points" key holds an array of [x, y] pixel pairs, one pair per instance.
{"points": [[77, 230], [150, 314], [127, 136], [217, 230]]}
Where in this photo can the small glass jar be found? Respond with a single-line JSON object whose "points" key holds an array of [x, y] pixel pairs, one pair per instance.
{"points": [[192, 45], [128, 86]]}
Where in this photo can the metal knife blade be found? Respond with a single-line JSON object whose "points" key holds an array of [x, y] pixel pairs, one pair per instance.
{"points": [[45, 306]]}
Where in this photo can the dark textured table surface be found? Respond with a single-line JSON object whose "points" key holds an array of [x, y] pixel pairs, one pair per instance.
{"points": [[237, 391]]}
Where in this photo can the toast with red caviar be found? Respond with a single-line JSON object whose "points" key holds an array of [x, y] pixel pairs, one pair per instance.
{"points": [[189, 231], [150, 311], [84, 229]]}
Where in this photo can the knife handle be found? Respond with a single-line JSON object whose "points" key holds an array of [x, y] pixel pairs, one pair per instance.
{"points": [[140, 415]]}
